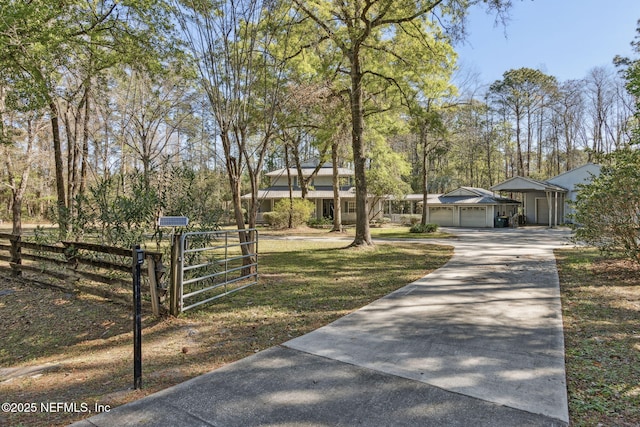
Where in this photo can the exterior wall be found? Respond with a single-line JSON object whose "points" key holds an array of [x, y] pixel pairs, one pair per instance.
{"points": [[347, 217], [570, 180], [456, 217], [536, 208]]}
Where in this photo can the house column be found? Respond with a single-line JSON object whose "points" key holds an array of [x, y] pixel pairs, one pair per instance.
{"points": [[548, 194], [556, 208]]}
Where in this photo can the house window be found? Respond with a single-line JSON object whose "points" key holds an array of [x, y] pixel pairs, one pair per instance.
{"points": [[351, 207]]}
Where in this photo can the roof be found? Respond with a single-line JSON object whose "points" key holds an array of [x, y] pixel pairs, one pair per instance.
{"points": [[483, 200], [446, 199], [469, 192], [307, 171], [459, 196], [463, 196], [297, 194], [523, 184], [588, 167]]}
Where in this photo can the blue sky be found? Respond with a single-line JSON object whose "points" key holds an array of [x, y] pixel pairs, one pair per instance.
{"points": [[563, 38]]}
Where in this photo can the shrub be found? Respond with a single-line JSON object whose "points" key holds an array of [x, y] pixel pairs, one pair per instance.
{"points": [[274, 219], [300, 211], [424, 228], [319, 223]]}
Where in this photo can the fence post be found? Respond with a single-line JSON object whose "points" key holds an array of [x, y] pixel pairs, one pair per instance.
{"points": [[153, 271], [138, 259], [16, 254], [175, 289]]}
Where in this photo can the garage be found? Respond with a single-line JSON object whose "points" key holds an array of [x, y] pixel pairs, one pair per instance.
{"points": [[473, 216], [468, 207], [443, 216]]}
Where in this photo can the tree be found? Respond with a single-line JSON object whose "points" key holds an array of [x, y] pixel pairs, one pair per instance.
{"points": [[430, 130], [380, 42], [155, 110], [243, 76], [569, 109], [40, 41], [607, 211], [388, 170], [19, 131], [521, 93]]}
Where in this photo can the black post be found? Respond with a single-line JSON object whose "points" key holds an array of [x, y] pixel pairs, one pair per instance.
{"points": [[138, 259]]}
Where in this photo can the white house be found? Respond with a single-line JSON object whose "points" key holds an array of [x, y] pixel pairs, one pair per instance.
{"points": [[548, 202], [320, 191]]}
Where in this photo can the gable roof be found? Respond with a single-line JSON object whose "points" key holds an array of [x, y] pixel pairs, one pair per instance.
{"points": [[469, 192], [466, 196], [307, 171], [587, 167], [523, 184], [579, 175]]}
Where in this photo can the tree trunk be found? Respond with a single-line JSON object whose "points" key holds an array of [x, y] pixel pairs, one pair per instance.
{"points": [[85, 143], [63, 220], [337, 203], [235, 179], [425, 175], [520, 162], [363, 234], [290, 183]]}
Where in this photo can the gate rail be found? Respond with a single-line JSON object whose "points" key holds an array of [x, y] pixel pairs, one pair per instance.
{"points": [[210, 265]]}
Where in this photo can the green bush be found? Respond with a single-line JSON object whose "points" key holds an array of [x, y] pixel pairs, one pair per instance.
{"points": [[300, 210], [424, 228], [319, 223], [274, 219]]}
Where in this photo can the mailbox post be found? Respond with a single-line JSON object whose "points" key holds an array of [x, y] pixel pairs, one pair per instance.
{"points": [[138, 259]]}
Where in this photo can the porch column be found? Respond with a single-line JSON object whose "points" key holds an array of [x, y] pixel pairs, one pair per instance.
{"points": [[556, 208], [548, 194]]}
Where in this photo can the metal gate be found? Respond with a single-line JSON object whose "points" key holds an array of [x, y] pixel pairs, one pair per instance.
{"points": [[209, 265]]}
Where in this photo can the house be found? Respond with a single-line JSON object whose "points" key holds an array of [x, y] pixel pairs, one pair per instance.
{"points": [[465, 207], [320, 191], [548, 202]]}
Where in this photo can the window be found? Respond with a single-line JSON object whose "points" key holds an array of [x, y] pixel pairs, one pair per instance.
{"points": [[351, 207]]}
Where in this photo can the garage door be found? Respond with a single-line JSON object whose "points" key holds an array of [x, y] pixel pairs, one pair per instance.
{"points": [[441, 216], [473, 216]]}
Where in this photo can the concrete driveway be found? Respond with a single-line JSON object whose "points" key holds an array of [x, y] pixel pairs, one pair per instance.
{"points": [[478, 342]]}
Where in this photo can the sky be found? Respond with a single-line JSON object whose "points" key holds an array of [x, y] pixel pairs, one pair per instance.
{"points": [[562, 38]]}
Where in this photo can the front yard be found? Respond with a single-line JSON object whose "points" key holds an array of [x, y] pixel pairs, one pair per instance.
{"points": [[601, 312], [77, 349], [74, 348]]}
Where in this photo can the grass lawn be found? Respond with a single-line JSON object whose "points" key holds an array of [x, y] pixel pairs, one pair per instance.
{"points": [[389, 231], [601, 312], [80, 347]]}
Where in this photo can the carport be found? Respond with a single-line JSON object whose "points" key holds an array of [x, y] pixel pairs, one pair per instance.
{"points": [[543, 202]]}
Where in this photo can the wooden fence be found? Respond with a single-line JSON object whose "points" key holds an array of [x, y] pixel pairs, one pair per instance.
{"points": [[70, 262]]}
